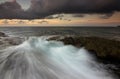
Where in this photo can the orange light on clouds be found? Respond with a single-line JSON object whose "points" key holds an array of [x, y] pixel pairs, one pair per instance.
{"points": [[67, 20]]}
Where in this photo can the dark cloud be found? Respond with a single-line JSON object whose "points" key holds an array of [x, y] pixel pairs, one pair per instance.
{"points": [[78, 15], [21, 22], [60, 17], [57, 16], [47, 7], [10, 10], [43, 8], [43, 22], [106, 16]]}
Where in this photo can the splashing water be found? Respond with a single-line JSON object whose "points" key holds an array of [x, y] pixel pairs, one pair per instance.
{"points": [[40, 59]]}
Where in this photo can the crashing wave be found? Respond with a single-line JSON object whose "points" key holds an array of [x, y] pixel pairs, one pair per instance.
{"points": [[38, 58]]}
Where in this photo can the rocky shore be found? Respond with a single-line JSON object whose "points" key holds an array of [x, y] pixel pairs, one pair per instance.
{"points": [[3, 34], [105, 50], [6, 41], [101, 47]]}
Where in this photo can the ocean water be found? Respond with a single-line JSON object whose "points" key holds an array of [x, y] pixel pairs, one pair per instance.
{"points": [[37, 58], [108, 32]]}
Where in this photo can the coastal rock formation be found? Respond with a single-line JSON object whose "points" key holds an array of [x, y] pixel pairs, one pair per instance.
{"points": [[10, 41], [106, 51], [3, 34], [101, 47]]}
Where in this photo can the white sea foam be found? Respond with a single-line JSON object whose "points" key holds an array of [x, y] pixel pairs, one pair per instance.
{"points": [[40, 59]]}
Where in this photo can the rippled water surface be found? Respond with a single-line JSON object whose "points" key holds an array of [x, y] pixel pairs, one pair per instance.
{"points": [[113, 32]]}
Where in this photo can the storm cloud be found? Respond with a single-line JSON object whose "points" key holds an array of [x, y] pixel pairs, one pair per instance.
{"points": [[12, 10], [43, 8]]}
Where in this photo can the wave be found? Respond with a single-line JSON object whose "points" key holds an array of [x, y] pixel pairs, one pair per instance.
{"points": [[37, 58]]}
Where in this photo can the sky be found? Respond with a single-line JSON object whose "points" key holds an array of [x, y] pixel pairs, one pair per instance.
{"points": [[59, 12]]}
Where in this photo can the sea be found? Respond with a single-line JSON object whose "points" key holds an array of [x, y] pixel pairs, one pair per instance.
{"points": [[107, 32], [37, 58]]}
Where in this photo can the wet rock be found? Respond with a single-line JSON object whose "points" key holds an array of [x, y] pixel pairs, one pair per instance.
{"points": [[14, 40], [101, 47], [3, 34], [1, 42], [10, 41], [68, 40]]}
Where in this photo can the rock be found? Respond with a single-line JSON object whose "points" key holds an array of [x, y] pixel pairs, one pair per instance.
{"points": [[101, 47], [10, 41], [68, 40], [3, 34], [14, 40]]}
